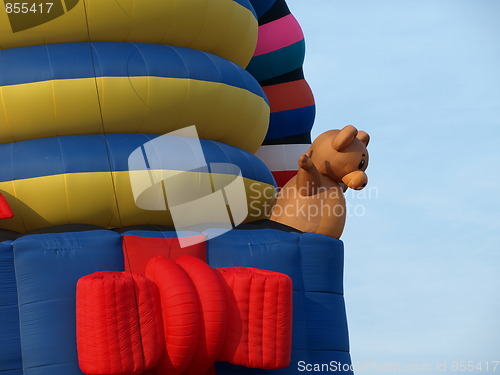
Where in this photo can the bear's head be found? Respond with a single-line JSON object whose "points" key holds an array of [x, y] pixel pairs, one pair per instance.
{"points": [[342, 156]]}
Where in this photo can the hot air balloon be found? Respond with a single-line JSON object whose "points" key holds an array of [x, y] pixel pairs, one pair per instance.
{"points": [[131, 245]]}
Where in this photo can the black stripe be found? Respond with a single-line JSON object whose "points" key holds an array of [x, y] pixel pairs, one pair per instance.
{"points": [[277, 11], [294, 75], [8, 235], [299, 139], [63, 228], [145, 227], [267, 224]]}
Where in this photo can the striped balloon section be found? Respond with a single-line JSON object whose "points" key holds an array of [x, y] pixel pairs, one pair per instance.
{"points": [[280, 47], [277, 65]]}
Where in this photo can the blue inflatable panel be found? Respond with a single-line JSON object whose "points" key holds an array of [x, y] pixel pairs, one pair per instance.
{"points": [[10, 338], [292, 122], [322, 263], [12, 372], [118, 59], [48, 267], [269, 249], [64, 155]]}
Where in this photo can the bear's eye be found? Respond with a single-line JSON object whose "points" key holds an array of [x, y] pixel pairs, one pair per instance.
{"points": [[361, 165]]}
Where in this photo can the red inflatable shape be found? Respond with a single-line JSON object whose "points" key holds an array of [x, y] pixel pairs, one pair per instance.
{"points": [[213, 313], [182, 318], [180, 313], [118, 324], [259, 333], [5, 210]]}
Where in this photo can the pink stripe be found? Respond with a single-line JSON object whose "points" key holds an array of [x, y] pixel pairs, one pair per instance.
{"points": [[278, 34]]}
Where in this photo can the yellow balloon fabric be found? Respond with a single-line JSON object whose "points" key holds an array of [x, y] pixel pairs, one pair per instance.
{"points": [[226, 28], [104, 199], [108, 87], [117, 180]]}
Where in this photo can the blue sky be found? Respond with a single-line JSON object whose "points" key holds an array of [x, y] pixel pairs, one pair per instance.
{"points": [[422, 269]]}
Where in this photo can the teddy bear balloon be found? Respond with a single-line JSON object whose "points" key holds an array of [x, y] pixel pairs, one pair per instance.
{"points": [[313, 200]]}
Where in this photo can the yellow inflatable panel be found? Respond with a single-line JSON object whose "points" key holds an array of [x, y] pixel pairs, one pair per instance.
{"points": [[133, 105], [104, 199], [65, 89], [226, 28], [118, 180]]}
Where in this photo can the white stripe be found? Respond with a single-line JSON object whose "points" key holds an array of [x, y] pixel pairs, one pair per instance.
{"points": [[282, 157]]}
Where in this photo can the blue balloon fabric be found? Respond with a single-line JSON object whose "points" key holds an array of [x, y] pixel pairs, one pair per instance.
{"points": [[38, 329], [89, 153], [10, 337]]}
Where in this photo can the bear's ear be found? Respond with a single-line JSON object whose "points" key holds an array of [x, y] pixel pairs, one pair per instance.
{"points": [[344, 138], [363, 137]]}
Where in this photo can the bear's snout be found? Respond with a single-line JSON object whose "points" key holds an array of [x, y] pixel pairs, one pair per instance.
{"points": [[356, 180]]}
